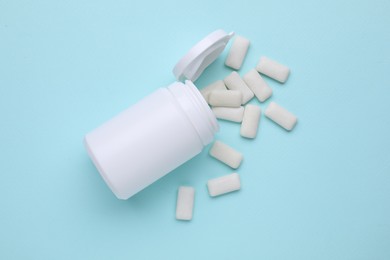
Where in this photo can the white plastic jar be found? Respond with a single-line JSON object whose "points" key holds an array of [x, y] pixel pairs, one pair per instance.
{"points": [[151, 138], [160, 132]]}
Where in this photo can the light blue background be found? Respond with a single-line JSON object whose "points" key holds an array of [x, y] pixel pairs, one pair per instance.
{"points": [[319, 192]]}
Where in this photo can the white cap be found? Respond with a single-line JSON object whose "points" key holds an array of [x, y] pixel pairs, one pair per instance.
{"points": [[205, 52]]}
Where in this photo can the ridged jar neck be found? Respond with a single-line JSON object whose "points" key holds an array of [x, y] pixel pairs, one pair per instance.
{"points": [[197, 110]]}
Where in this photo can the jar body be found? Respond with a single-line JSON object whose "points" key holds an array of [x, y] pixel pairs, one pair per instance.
{"points": [[144, 142]]}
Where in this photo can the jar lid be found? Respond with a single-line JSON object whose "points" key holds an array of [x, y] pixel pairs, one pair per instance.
{"points": [[199, 57]]}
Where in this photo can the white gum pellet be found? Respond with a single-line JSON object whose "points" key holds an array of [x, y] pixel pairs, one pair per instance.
{"points": [[235, 82], [233, 114], [281, 116], [258, 85], [273, 69], [185, 203], [224, 184], [217, 85], [226, 154], [250, 121], [237, 53], [225, 98]]}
